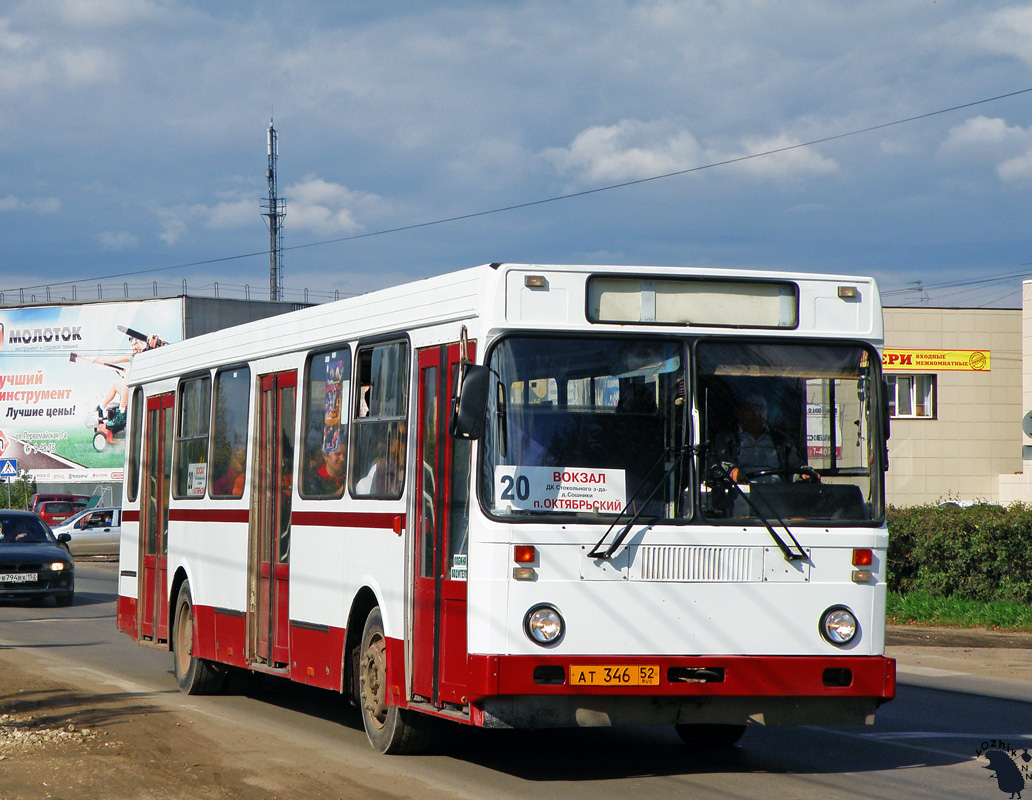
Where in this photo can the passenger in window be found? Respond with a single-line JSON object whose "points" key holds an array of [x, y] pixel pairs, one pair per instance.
{"points": [[329, 476], [755, 452], [386, 476], [231, 483]]}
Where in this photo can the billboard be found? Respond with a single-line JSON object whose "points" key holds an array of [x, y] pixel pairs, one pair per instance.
{"points": [[63, 372], [894, 358]]}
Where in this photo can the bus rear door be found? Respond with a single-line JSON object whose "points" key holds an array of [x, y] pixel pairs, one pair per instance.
{"points": [[269, 562], [157, 471]]}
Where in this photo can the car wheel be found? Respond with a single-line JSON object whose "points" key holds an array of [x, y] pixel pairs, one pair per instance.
{"points": [[390, 730], [194, 675], [64, 600]]}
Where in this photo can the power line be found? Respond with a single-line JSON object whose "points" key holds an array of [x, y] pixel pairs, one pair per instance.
{"points": [[985, 280], [561, 197]]}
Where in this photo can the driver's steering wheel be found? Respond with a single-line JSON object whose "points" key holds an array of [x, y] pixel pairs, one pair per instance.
{"points": [[805, 473]]}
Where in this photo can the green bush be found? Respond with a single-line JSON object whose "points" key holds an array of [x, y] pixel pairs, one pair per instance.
{"points": [[981, 552]]}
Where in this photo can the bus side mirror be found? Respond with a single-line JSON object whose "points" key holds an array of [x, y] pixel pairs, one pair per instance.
{"points": [[469, 409], [886, 424]]}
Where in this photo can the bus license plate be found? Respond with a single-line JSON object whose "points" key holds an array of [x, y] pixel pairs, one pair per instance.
{"points": [[18, 577], [636, 675]]}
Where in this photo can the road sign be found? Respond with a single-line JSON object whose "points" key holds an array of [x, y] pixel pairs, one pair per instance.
{"points": [[8, 467]]}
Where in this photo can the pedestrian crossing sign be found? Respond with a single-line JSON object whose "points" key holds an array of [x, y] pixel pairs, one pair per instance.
{"points": [[8, 468]]}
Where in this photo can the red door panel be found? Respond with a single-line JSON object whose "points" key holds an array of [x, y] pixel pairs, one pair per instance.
{"points": [[157, 471], [439, 630], [273, 490]]}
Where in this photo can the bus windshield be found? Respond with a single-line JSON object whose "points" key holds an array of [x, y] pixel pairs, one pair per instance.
{"points": [[788, 432], [582, 426]]}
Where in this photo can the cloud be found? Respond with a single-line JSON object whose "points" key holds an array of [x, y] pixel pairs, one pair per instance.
{"points": [[13, 42], [981, 139], [1008, 31], [327, 208], [313, 204], [629, 150], [123, 240], [981, 132], [65, 68], [174, 227], [634, 150], [783, 156], [88, 65], [103, 13], [46, 205]]}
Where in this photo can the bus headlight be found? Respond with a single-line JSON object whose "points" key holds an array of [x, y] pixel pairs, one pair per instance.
{"points": [[839, 625], [544, 625]]}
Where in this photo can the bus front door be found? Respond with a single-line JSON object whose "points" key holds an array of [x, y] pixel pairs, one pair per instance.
{"points": [[157, 474], [439, 647], [269, 561]]}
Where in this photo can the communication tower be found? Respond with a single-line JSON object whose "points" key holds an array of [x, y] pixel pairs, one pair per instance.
{"points": [[274, 209]]}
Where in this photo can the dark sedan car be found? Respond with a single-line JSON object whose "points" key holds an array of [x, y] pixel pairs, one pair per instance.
{"points": [[33, 562]]}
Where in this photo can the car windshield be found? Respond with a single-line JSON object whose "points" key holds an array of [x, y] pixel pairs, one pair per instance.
{"points": [[23, 529], [584, 427]]}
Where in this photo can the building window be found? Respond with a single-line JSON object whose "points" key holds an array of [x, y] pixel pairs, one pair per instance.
{"points": [[911, 395]]}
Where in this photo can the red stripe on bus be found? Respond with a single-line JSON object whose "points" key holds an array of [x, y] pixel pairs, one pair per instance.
{"points": [[344, 519], [209, 514], [333, 519]]}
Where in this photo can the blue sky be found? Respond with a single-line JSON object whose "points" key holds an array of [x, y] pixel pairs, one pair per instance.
{"points": [[133, 140]]}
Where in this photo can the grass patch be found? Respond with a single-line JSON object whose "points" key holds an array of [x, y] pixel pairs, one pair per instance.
{"points": [[919, 608]]}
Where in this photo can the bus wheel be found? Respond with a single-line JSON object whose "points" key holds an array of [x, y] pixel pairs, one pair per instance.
{"points": [[390, 729], [710, 735], [194, 675]]}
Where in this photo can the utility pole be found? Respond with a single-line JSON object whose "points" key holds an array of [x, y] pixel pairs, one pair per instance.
{"points": [[274, 209]]}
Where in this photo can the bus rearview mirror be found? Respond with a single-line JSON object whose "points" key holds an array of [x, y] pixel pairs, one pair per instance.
{"points": [[469, 410]]}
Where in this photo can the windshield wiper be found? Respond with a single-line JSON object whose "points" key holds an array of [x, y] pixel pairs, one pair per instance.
{"points": [[718, 471], [597, 551]]}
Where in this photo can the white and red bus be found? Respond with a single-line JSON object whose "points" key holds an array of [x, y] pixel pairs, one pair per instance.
{"points": [[522, 496]]}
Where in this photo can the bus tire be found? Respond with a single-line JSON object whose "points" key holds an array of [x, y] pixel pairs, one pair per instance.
{"points": [[194, 675], [390, 730], [713, 736]]}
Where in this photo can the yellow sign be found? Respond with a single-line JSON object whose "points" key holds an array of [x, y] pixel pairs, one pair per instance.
{"points": [[935, 360]]}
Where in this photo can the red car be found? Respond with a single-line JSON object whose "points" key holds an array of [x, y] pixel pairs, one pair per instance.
{"points": [[55, 511]]}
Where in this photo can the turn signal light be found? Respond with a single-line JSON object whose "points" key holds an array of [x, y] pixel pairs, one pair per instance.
{"points": [[863, 557]]}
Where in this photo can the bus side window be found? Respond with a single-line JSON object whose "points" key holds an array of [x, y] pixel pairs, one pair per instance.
{"points": [[191, 441], [133, 448], [325, 427], [380, 432], [229, 437]]}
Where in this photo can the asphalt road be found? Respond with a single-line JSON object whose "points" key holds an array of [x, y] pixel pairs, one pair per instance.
{"points": [[923, 745]]}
